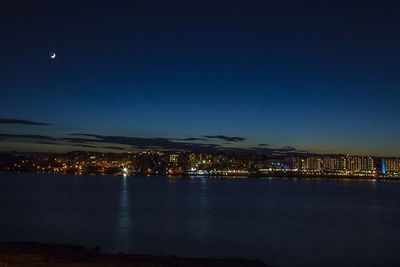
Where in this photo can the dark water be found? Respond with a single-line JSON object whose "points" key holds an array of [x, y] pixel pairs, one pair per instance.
{"points": [[283, 222]]}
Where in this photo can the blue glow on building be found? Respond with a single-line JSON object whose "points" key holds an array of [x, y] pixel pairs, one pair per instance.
{"points": [[383, 167]]}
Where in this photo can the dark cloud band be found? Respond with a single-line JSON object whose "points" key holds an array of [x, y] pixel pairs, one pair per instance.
{"points": [[226, 138], [125, 143], [24, 122]]}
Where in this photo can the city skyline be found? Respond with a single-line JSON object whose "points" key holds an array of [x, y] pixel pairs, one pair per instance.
{"points": [[308, 77], [217, 163]]}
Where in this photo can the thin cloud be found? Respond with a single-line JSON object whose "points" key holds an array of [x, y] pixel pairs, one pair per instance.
{"points": [[189, 139], [28, 136], [23, 122], [226, 138]]}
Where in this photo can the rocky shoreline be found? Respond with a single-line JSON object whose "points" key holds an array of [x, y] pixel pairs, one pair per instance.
{"points": [[18, 254]]}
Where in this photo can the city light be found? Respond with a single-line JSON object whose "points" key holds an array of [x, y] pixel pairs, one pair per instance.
{"points": [[208, 164]]}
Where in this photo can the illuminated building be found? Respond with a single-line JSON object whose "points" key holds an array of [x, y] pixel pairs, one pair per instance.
{"points": [[367, 164], [353, 163], [391, 166], [383, 167], [173, 158], [314, 163], [275, 164]]}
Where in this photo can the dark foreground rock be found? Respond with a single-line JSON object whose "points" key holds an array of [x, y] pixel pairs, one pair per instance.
{"points": [[16, 254]]}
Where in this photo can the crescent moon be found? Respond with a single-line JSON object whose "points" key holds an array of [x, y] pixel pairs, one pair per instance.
{"points": [[53, 55]]}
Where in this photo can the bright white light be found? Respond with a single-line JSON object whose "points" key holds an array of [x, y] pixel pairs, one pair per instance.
{"points": [[125, 169]]}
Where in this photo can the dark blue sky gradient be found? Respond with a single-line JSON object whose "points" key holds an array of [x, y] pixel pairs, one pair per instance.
{"points": [[320, 76]]}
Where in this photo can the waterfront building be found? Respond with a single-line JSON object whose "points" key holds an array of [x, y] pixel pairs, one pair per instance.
{"points": [[391, 166]]}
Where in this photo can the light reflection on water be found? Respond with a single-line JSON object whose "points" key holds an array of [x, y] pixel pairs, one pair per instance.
{"points": [[202, 225], [124, 226]]}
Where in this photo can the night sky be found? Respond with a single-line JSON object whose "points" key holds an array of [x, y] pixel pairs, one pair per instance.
{"points": [[320, 76]]}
